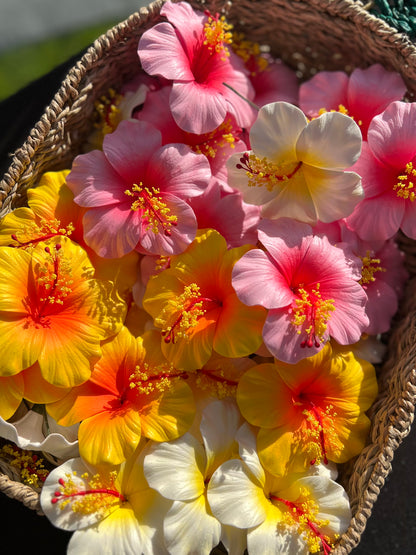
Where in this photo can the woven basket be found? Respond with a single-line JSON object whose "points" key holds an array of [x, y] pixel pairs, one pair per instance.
{"points": [[308, 35]]}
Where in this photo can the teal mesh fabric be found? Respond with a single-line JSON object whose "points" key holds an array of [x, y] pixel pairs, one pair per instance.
{"points": [[400, 14]]}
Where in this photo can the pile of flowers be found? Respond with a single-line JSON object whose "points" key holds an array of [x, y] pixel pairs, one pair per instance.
{"points": [[191, 313]]}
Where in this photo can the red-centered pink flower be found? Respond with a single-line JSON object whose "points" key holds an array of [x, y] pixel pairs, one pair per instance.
{"points": [[136, 190], [133, 392], [362, 95], [193, 50], [387, 166], [217, 145], [310, 287], [227, 213]]}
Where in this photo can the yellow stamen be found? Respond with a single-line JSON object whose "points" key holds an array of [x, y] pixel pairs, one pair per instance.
{"points": [[250, 52], [261, 172], [155, 211], [319, 432], [100, 496], [217, 34], [146, 380], [108, 112], [370, 267], [303, 515], [30, 234], [181, 314], [30, 466], [219, 138], [405, 187], [312, 309]]}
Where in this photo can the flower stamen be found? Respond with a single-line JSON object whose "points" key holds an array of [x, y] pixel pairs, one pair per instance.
{"points": [[303, 515], [405, 187], [97, 498], [370, 267], [263, 172], [154, 210], [312, 309], [217, 34], [181, 315]]}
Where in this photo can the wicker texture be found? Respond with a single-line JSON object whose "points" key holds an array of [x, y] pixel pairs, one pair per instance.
{"points": [[309, 35]]}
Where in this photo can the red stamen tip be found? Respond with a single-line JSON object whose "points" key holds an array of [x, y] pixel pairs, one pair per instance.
{"points": [[61, 481], [54, 500], [58, 247], [48, 250], [14, 237]]}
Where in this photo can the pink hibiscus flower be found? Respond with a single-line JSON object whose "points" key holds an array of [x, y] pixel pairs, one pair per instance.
{"points": [[363, 94], [387, 166], [192, 50], [217, 146], [135, 191], [309, 286]]}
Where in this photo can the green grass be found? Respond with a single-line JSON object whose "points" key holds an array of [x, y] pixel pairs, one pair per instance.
{"points": [[20, 66]]}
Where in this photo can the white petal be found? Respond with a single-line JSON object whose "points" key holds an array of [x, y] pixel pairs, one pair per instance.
{"points": [[275, 132], [27, 433], [335, 194], [332, 141], [234, 498], [234, 539], [333, 503], [269, 539], [248, 452], [190, 528], [219, 424], [120, 532], [176, 468], [64, 517]]}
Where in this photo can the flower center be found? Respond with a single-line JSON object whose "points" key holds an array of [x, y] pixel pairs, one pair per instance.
{"points": [[146, 380], [217, 33], [33, 233], [54, 281], [180, 315], [311, 310], [153, 210], [108, 112], [99, 497], [263, 172], [250, 53], [370, 267], [405, 187], [224, 135], [302, 514]]}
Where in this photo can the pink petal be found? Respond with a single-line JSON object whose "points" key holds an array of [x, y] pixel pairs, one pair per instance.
{"points": [[377, 218], [257, 280], [282, 339], [326, 89], [129, 148], [376, 177], [392, 136], [370, 91], [94, 182], [181, 235], [180, 171], [112, 232], [161, 53], [408, 225], [196, 108], [381, 306]]}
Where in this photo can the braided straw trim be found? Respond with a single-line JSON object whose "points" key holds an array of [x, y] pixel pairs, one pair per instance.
{"points": [[309, 35]]}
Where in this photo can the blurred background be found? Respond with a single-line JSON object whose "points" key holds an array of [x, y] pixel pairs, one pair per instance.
{"points": [[38, 35]]}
